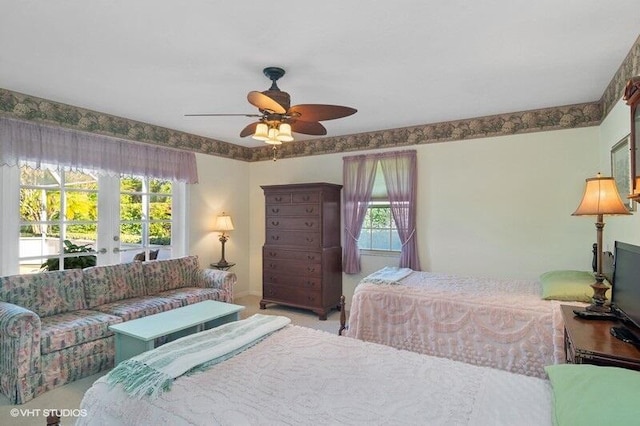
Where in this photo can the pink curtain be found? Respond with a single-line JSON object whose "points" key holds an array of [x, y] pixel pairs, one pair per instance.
{"points": [[400, 175], [358, 173], [38, 144]]}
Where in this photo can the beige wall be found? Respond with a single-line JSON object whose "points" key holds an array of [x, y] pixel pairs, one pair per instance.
{"points": [[222, 187], [497, 207], [493, 207]]}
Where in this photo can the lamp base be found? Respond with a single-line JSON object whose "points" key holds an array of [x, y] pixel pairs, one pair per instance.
{"points": [[599, 297]]}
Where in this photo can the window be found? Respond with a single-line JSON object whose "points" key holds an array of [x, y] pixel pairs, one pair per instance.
{"points": [[145, 218], [379, 230], [54, 220], [379, 196], [58, 220]]}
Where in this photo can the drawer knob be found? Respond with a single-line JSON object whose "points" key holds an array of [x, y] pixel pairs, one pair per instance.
{"points": [[275, 237], [310, 257], [278, 198], [275, 222], [272, 266], [306, 198], [273, 254], [275, 210], [310, 269], [309, 209], [309, 239], [309, 224]]}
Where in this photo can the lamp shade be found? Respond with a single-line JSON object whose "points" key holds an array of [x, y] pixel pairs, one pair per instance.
{"points": [[600, 197], [262, 132], [284, 133], [223, 223], [636, 192], [273, 137]]}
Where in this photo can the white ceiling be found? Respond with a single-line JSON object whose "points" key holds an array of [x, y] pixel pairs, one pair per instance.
{"points": [[400, 63]]}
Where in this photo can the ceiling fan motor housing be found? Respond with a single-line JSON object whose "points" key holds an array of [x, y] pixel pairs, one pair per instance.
{"points": [[280, 97], [274, 92]]}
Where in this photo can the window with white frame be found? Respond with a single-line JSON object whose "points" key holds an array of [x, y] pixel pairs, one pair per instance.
{"points": [[379, 231], [145, 217], [73, 219]]}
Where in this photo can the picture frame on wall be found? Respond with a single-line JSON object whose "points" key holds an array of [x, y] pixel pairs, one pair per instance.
{"points": [[621, 170]]}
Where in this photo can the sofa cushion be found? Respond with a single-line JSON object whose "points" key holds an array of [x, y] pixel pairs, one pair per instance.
{"points": [[106, 284], [163, 275], [137, 307], [74, 328], [17, 289], [45, 293], [191, 295]]}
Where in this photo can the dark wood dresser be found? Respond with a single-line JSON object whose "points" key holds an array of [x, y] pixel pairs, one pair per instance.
{"points": [[302, 256]]}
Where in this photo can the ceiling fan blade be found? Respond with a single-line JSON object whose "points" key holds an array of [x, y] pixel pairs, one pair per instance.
{"points": [[223, 115], [249, 130], [319, 112], [308, 127], [264, 102]]}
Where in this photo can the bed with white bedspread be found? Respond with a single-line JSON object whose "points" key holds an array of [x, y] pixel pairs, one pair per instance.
{"points": [[300, 376], [502, 324]]}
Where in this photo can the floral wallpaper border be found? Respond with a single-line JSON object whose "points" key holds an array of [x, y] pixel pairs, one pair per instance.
{"points": [[26, 107], [630, 67]]}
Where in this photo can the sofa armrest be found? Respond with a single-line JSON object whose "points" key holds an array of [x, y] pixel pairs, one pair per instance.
{"points": [[19, 345], [223, 280]]}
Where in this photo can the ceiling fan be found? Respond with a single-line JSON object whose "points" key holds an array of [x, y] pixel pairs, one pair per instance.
{"points": [[277, 118]]}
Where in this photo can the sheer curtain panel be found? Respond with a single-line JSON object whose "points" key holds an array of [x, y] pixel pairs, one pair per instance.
{"points": [[358, 173], [400, 175], [34, 143]]}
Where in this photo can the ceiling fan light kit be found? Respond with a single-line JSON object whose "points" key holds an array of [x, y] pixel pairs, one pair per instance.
{"points": [[277, 119]]}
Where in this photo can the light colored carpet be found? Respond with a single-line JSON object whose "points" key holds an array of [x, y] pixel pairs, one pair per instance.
{"points": [[69, 396]]}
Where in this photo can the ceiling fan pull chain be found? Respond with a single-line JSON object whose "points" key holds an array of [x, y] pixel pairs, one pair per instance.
{"points": [[275, 153]]}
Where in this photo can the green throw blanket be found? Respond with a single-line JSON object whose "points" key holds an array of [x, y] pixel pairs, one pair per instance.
{"points": [[153, 372]]}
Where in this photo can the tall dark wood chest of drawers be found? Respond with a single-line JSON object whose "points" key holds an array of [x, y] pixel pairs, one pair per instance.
{"points": [[301, 256]]}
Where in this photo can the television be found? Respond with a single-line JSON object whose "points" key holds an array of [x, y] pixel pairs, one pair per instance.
{"points": [[625, 294]]}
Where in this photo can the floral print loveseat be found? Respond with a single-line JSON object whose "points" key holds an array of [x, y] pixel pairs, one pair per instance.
{"points": [[54, 325]]}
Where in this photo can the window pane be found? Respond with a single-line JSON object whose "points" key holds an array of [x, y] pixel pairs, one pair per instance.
{"points": [[83, 233], [379, 217], [29, 176], [160, 233], [130, 233], [81, 205], [395, 241], [130, 207], [160, 186], [79, 180], [32, 246], [160, 207], [130, 185], [379, 239]]}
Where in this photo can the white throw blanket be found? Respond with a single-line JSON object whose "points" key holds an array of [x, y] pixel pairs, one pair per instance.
{"points": [[388, 275], [153, 372]]}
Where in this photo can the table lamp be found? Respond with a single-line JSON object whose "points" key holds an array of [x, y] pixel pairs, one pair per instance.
{"points": [[223, 224], [600, 197]]}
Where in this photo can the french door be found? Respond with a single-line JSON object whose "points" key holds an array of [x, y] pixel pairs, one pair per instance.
{"points": [[73, 219]]}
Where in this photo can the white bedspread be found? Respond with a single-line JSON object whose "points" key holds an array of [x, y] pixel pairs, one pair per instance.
{"points": [[497, 323], [300, 376]]}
